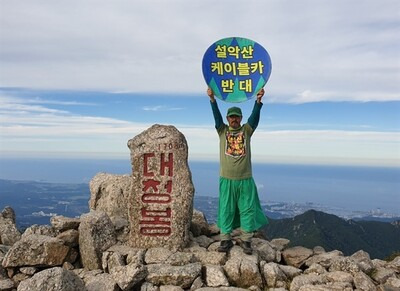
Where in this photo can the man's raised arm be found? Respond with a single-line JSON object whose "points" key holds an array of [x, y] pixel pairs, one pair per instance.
{"points": [[214, 106]]}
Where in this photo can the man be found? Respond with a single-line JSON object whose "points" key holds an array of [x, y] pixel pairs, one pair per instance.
{"points": [[239, 205]]}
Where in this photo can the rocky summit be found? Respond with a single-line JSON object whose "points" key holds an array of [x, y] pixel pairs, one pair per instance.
{"points": [[98, 252], [88, 254]]}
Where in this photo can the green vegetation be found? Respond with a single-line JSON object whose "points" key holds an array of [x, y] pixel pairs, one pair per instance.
{"points": [[315, 228]]}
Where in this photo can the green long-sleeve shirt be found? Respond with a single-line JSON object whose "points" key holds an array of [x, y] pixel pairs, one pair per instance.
{"points": [[235, 151]]}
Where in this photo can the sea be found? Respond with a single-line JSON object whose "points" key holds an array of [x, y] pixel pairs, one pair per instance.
{"points": [[354, 188]]}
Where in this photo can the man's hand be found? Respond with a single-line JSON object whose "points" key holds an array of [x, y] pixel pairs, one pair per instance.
{"points": [[210, 94], [260, 95]]}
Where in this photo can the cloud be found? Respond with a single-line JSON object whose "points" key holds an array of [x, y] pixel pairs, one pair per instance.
{"points": [[161, 108], [320, 50]]}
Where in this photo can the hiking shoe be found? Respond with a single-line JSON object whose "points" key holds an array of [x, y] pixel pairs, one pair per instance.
{"points": [[246, 245], [225, 246]]}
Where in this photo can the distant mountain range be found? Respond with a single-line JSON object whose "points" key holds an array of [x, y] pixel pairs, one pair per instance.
{"points": [[315, 228]]}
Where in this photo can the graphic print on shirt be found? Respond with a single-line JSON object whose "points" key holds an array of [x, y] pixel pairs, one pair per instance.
{"points": [[235, 144]]}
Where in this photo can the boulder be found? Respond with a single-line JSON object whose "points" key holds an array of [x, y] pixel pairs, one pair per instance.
{"points": [[210, 257], [199, 225], [161, 201], [363, 282], [70, 237], [242, 270], [96, 234], [279, 243], [324, 259], [381, 275], [157, 255], [128, 276], [305, 280], [296, 256], [274, 276], [109, 193], [180, 259], [363, 261], [62, 223], [215, 276], [36, 250], [345, 264], [182, 276], [9, 234], [203, 241], [40, 229], [54, 279], [265, 250], [101, 282]]}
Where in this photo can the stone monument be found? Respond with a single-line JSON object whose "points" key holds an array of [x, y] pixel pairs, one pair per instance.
{"points": [[161, 202]]}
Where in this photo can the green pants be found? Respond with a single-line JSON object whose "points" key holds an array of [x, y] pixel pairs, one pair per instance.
{"points": [[239, 206]]}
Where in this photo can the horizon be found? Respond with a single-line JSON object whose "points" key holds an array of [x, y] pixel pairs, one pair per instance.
{"points": [[87, 84], [344, 188]]}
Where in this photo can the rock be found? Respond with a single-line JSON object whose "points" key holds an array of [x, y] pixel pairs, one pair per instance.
{"points": [[9, 234], [197, 284], [128, 276], [6, 285], [345, 264], [394, 264], [125, 254], [222, 289], [363, 283], [17, 278], [170, 288], [315, 268], [363, 261], [338, 276], [28, 270], [203, 241], [318, 250], [214, 276], [180, 259], [36, 250], [290, 271], [110, 193], [265, 250], [303, 280], [210, 257], [54, 279], [324, 259], [273, 274], [40, 229], [381, 275], [8, 213], [161, 201], [392, 283], [296, 256], [101, 282], [279, 243], [70, 237], [62, 223], [182, 276], [327, 287], [199, 225], [242, 270], [157, 255], [146, 286], [96, 234], [115, 260]]}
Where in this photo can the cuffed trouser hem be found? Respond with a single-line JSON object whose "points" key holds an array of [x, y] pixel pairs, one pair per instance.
{"points": [[246, 236], [225, 236]]}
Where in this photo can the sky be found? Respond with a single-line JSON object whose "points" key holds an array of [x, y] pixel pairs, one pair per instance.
{"points": [[80, 78]]}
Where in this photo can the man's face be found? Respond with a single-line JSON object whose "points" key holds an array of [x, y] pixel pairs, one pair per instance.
{"points": [[234, 121]]}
